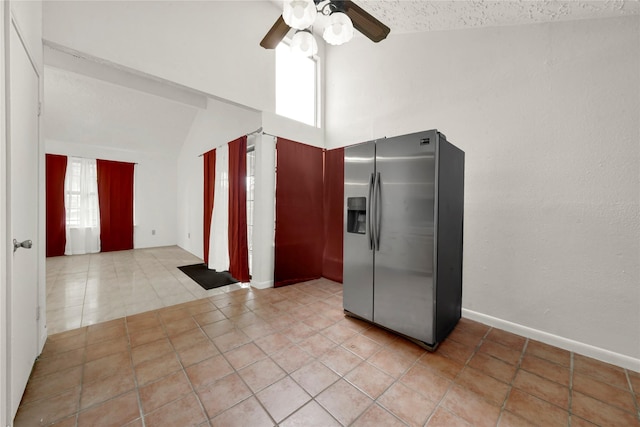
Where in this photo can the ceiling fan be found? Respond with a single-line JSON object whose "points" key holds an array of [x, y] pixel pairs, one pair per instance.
{"points": [[298, 13]]}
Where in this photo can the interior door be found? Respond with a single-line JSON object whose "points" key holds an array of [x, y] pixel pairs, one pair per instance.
{"points": [[23, 200]]}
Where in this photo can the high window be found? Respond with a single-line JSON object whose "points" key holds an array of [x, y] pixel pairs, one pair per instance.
{"points": [[296, 86]]}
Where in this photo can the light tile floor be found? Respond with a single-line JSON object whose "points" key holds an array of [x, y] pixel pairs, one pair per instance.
{"points": [[84, 290], [290, 357]]}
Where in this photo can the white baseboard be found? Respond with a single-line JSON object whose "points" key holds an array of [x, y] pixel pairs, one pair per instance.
{"points": [[41, 343], [262, 285], [601, 354]]}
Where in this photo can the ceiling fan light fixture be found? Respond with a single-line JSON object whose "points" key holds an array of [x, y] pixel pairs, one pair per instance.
{"points": [[299, 14], [339, 29], [303, 43]]}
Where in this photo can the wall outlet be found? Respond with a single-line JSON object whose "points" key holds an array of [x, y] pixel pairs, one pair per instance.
{"points": [[153, 232]]}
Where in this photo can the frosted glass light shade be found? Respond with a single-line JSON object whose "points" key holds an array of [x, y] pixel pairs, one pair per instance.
{"points": [[303, 43], [339, 30], [299, 14]]}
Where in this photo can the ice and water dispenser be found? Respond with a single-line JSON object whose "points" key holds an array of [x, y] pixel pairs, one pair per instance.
{"points": [[357, 215]]}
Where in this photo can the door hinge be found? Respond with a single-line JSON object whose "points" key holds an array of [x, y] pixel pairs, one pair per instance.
{"points": [[39, 108], [38, 313]]}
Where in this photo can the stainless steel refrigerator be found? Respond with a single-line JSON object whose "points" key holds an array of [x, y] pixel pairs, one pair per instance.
{"points": [[404, 206]]}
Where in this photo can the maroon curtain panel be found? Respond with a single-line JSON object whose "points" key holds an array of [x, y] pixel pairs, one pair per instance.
{"points": [[333, 214], [299, 235], [209, 191], [115, 197], [238, 247], [56, 169]]}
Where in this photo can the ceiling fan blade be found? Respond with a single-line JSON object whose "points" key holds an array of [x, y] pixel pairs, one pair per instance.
{"points": [[365, 22], [275, 34]]}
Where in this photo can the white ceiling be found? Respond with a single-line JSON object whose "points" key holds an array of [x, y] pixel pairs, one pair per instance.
{"points": [[404, 16], [88, 110], [81, 109], [409, 16]]}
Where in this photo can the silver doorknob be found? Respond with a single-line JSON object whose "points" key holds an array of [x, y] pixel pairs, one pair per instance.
{"points": [[26, 244]]}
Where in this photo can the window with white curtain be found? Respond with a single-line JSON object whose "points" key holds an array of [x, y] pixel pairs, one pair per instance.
{"points": [[251, 174], [82, 209]]}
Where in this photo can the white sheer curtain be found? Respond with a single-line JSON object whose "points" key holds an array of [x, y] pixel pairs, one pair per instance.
{"points": [[82, 209], [219, 236]]}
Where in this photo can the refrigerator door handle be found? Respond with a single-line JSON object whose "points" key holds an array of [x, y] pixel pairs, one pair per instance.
{"points": [[369, 212], [377, 215]]}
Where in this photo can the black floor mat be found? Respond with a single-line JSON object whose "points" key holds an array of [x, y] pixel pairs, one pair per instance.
{"points": [[206, 278]]}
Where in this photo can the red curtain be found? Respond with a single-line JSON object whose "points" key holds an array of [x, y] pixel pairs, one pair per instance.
{"points": [[299, 237], [333, 214], [209, 190], [56, 169], [115, 197], [238, 248]]}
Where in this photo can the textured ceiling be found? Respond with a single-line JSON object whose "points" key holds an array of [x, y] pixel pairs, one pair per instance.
{"points": [[415, 16], [82, 109], [408, 16]]}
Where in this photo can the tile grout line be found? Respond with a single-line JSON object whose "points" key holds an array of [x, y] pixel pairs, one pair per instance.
{"points": [[288, 375], [396, 380], [633, 393], [84, 360], [84, 298], [374, 401], [513, 377], [570, 403], [382, 347], [235, 371], [317, 359], [342, 377], [466, 363], [133, 369], [144, 272], [129, 350], [313, 398], [184, 371]]}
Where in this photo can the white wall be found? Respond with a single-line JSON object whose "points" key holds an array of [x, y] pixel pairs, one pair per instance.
{"points": [[219, 124], [28, 16], [155, 188], [264, 204], [292, 130], [549, 118], [213, 127], [4, 418], [212, 46]]}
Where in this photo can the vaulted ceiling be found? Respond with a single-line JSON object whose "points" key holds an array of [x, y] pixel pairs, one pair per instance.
{"points": [[84, 108]]}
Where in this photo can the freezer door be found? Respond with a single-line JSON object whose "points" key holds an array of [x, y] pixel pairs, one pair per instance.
{"points": [[358, 253], [404, 258]]}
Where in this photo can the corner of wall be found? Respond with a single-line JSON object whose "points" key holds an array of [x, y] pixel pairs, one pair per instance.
{"points": [[262, 285], [286, 128], [4, 418], [556, 340]]}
